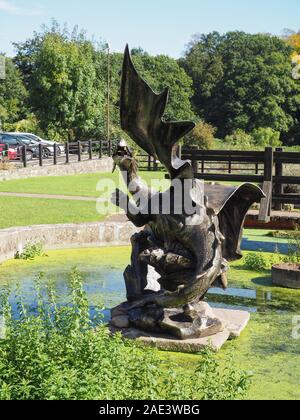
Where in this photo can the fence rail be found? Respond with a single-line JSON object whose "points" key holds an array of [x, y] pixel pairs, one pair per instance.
{"points": [[266, 168], [64, 154]]}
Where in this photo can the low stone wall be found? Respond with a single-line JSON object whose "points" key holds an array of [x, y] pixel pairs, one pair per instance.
{"points": [[86, 167], [65, 236]]}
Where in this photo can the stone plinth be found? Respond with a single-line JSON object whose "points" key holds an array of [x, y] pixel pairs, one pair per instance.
{"points": [[234, 322], [286, 275]]}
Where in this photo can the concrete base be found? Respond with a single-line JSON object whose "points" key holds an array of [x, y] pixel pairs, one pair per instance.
{"points": [[235, 323]]}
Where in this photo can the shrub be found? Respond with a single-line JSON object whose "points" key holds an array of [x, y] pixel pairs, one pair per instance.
{"points": [[202, 137], [54, 352], [29, 125], [256, 262], [30, 252], [293, 256], [266, 136], [239, 138], [4, 164]]}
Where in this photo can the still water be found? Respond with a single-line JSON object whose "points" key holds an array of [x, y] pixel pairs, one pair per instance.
{"points": [[267, 348]]}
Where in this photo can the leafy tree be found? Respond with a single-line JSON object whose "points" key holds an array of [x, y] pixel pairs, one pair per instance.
{"points": [[161, 72], [249, 83], [13, 95], [293, 39], [266, 137], [202, 137], [66, 75], [239, 139], [63, 87]]}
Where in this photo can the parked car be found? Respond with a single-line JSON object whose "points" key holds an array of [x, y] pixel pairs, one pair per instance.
{"points": [[9, 153], [17, 142], [49, 145]]}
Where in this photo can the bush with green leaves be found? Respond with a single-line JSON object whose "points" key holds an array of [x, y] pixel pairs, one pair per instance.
{"points": [[239, 139], [266, 136], [30, 252], [293, 256], [258, 261], [202, 137], [61, 352]]}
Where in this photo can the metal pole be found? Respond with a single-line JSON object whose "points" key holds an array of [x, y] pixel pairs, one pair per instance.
{"points": [[108, 100]]}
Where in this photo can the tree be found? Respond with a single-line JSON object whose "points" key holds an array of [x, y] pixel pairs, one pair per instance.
{"points": [[161, 72], [13, 95], [202, 137], [293, 39], [239, 139], [66, 75], [249, 81], [265, 137], [64, 88]]}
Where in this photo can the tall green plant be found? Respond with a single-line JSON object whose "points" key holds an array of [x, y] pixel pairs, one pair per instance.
{"points": [[55, 352]]}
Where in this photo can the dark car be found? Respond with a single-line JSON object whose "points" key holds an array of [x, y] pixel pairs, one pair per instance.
{"points": [[17, 143], [48, 147]]}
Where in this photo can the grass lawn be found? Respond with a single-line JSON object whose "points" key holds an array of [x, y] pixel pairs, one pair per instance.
{"points": [[28, 211], [17, 211], [84, 185]]}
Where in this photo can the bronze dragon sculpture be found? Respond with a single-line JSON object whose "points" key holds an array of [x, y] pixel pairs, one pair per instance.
{"points": [[189, 250]]}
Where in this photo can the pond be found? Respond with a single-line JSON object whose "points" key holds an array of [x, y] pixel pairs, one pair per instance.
{"points": [[267, 348]]}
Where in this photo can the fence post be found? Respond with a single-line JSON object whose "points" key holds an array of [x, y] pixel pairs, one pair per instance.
{"points": [[67, 152], [109, 148], [55, 154], [40, 154], [149, 163], [100, 149], [24, 156], [279, 190], [6, 149], [230, 165], [90, 150], [79, 151], [266, 203]]}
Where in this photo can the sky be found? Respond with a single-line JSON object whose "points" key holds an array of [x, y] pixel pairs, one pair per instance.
{"points": [[158, 26]]}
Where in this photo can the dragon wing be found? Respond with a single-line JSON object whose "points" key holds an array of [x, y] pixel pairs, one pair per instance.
{"points": [[141, 118]]}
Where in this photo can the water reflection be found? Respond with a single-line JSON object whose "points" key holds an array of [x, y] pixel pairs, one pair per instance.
{"points": [[105, 287]]}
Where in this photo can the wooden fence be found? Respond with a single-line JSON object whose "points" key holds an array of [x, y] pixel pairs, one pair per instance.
{"points": [[265, 168], [68, 152]]}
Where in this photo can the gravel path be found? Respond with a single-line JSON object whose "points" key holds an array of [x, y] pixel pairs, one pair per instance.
{"points": [[51, 197]]}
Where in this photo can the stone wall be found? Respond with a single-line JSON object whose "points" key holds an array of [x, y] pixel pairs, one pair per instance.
{"points": [[86, 167], [65, 236]]}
